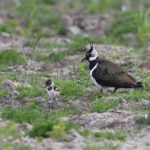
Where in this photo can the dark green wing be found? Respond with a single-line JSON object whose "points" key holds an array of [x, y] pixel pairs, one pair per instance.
{"points": [[110, 74]]}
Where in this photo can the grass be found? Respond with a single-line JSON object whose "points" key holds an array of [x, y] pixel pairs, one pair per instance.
{"points": [[29, 114], [40, 18], [6, 28], [118, 135], [11, 58], [8, 133], [29, 91], [143, 120], [3, 93], [57, 130], [133, 22], [76, 45], [100, 105], [42, 129]]}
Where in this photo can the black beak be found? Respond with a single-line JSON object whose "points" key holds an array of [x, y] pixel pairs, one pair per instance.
{"points": [[83, 59]]}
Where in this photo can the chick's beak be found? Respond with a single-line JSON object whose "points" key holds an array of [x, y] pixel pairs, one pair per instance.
{"points": [[83, 59]]}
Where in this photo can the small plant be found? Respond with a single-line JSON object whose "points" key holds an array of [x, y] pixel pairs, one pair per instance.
{"points": [[29, 113], [55, 129], [43, 129], [11, 58], [5, 28], [136, 94], [59, 131], [110, 135], [92, 147], [3, 93], [76, 45], [48, 1], [10, 129], [86, 132], [101, 106], [33, 91], [143, 120], [70, 89]]}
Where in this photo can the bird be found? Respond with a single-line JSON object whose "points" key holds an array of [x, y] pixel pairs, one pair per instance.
{"points": [[105, 73], [52, 90]]}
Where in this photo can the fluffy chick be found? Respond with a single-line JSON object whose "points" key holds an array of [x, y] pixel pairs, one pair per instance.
{"points": [[52, 90]]}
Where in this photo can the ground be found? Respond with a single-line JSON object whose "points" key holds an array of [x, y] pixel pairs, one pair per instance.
{"points": [[46, 39]]}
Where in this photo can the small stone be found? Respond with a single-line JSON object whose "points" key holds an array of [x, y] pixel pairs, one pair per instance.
{"points": [[67, 20], [74, 30], [7, 85]]}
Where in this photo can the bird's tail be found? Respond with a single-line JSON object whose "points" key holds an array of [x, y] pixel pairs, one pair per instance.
{"points": [[138, 85]]}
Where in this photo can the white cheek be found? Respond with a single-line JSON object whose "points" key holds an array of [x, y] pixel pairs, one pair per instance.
{"points": [[92, 58]]}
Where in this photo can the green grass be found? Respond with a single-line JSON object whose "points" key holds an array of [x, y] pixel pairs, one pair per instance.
{"points": [[6, 28], [31, 92], [29, 114], [3, 93], [42, 129], [118, 135], [143, 120], [47, 1], [100, 105], [70, 89], [8, 133], [11, 58], [76, 45], [133, 22], [36, 16], [57, 130], [40, 17], [92, 147]]}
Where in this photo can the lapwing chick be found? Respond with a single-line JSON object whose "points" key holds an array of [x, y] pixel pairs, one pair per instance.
{"points": [[107, 74], [52, 90]]}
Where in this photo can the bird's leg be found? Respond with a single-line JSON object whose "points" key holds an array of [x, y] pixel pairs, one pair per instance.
{"points": [[101, 90], [115, 89], [112, 92]]}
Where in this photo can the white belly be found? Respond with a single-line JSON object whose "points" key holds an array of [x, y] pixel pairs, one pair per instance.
{"points": [[52, 94], [91, 72]]}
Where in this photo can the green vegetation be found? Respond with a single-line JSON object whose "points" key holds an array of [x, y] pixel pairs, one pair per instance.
{"points": [[143, 120], [57, 130], [92, 147], [51, 46], [101, 106], [3, 93], [76, 45], [29, 114], [118, 135], [11, 58], [135, 22], [30, 91], [5, 28], [42, 129]]}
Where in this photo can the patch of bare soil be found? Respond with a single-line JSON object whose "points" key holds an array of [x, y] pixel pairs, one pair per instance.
{"points": [[8, 41], [120, 118], [138, 142]]}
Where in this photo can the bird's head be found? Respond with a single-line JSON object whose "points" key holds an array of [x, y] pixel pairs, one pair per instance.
{"points": [[49, 82], [91, 54]]}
